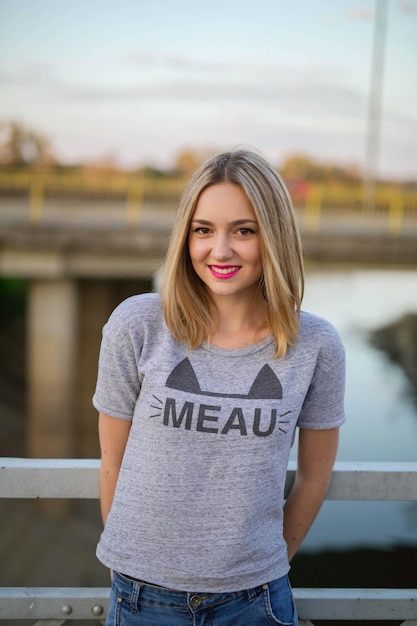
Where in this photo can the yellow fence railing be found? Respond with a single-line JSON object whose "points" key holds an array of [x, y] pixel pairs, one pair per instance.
{"points": [[131, 190], [316, 204]]}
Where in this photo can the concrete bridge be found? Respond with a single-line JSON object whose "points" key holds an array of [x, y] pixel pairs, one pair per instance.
{"points": [[82, 258]]}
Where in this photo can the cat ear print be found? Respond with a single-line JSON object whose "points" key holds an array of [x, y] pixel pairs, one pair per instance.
{"points": [[183, 378], [266, 386]]}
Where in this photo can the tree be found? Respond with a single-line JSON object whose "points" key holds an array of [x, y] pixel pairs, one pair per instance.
{"points": [[189, 159], [302, 167], [21, 146]]}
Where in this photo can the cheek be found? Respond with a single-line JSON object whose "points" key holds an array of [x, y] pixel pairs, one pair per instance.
{"points": [[197, 249], [256, 257]]}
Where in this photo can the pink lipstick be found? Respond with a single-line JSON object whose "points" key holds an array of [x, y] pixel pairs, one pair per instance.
{"points": [[224, 271]]}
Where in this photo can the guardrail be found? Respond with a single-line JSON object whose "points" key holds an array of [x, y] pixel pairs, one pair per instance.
{"points": [[73, 478], [38, 191], [393, 208]]}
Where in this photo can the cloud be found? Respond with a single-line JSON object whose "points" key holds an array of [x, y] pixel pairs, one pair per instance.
{"points": [[408, 7], [186, 66], [37, 75], [315, 88], [145, 60], [361, 14]]}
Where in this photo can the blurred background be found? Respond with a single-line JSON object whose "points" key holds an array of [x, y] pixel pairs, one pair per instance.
{"points": [[105, 110]]}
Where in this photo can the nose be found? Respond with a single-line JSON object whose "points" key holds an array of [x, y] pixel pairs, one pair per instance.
{"points": [[222, 248]]}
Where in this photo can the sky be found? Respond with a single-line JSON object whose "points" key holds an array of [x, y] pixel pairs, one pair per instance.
{"points": [[141, 80]]}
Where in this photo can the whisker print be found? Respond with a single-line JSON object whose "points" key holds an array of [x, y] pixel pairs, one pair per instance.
{"points": [[283, 422]]}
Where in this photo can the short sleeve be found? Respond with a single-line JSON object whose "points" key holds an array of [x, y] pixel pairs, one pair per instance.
{"points": [[118, 383], [323, 406]]}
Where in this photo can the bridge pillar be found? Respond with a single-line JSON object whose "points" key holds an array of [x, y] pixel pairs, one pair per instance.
{"points": [[52, 345], [95, 304], [97, 299]]}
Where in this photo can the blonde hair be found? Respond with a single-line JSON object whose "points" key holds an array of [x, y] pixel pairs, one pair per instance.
{"points": [[186, 301]]}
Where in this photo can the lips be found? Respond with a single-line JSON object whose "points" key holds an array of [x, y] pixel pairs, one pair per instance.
{"points": [[224, 271]]}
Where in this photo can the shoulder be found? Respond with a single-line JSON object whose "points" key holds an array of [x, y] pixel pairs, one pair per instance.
{"points": [[322, 337], [311, 324], [135, 313]]}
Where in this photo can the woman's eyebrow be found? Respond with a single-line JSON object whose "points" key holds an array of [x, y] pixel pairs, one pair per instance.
{"points": [[235, 223]]}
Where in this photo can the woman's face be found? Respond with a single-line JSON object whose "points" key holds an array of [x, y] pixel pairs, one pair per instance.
{"points": [[224, 242]]}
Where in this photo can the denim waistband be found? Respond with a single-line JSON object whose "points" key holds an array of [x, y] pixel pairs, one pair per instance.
{"points": [[125, 583], [145, 582]]}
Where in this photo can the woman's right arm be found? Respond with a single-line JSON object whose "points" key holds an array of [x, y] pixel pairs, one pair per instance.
{"points": [[113, 436]]}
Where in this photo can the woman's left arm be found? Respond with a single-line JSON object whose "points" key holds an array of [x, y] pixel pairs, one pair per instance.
{"points": [[316, 456]]}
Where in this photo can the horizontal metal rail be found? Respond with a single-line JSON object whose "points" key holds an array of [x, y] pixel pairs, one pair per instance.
{"points": [[79, 478], [56, 603]]}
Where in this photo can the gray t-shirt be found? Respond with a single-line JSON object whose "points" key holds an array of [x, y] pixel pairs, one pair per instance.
{"points": [[198, 503]]}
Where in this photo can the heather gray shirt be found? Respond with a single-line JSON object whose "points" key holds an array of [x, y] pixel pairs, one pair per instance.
{"points": [[198, 503]]}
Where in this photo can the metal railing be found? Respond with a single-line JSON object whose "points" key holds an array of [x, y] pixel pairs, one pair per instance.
{"points": [[37, 197], [70, 478]]}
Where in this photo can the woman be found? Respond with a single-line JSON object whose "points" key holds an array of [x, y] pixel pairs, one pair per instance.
{"points": [[200, 390]]}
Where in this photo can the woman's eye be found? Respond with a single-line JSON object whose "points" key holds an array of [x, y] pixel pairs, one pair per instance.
{"points": [[246, 231], [202, 230]]}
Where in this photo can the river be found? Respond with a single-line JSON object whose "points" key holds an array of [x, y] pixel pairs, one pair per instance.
{"points": [[381, 411]]}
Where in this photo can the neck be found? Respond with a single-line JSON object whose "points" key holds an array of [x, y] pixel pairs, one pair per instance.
{"points": [[240, 324]]}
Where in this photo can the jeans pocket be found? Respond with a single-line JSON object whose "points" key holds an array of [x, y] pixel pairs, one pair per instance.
{"points": [[279, 603], [123, 601], [120, 613]]}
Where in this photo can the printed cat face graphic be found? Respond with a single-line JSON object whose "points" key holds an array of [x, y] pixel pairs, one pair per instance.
{"points": [[211, 418]]}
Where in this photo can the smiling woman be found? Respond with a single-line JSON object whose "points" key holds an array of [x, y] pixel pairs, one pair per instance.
{"points": [[200, 391]]}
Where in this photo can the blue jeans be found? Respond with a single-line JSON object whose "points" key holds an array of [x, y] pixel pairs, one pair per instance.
{"points": [[136, 603]]}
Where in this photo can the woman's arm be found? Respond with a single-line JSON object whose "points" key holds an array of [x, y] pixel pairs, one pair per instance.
{"points": [[316, 456], [113, 435]]}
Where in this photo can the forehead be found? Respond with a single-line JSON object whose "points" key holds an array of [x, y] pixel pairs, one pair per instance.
{"points": [[224, 200]]}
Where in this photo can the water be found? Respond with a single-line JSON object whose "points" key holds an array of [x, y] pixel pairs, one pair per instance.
{"points": [[382, 415]]}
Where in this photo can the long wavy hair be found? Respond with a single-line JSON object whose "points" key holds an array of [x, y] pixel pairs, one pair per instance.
{"points": [[186, 301]]}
